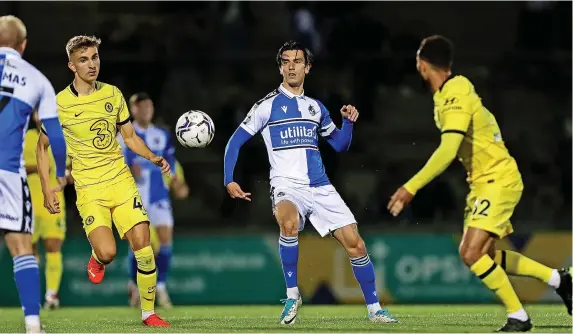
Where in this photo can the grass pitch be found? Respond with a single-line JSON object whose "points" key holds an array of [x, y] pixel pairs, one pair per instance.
{"points": [[413, 318]]}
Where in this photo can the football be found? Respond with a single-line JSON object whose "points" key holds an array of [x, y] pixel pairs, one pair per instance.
{"points": [[195, 129]]}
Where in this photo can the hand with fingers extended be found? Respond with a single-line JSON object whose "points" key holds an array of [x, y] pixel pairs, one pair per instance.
{"points": [[350, 112], [399, 201], [235, 191]]}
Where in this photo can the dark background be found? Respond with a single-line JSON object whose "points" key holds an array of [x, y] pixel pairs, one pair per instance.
{"points": [[219, 57]]}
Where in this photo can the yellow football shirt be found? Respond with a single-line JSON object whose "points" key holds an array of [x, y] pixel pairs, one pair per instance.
{"points": [[90, 124], [482, 152]]}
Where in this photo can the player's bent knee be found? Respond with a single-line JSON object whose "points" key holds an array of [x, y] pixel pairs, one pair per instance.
{"points": [[289, 227], [356, 248]]}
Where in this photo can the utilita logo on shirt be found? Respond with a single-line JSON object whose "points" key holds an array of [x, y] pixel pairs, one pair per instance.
{"points": [[298, 131], [293, 134]]}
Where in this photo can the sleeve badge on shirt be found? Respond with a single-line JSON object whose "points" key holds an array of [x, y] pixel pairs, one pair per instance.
{"points": [[249, 116], [108, 107], [89, 220], [311, 110]]}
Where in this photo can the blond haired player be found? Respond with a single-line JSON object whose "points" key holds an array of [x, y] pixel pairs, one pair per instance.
{"points": [[91, 114], [50, 228], [469, 130]]}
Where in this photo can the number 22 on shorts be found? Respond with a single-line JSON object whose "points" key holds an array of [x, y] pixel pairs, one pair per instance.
{"points": [[481, 207]]}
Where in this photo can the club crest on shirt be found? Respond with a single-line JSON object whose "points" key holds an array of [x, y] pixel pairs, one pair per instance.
{"points": [[108, 107], [311, 110]]}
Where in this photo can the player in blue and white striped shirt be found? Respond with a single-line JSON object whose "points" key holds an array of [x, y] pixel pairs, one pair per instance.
{"points": [[22, 88], [154, 192], [290, 123]]}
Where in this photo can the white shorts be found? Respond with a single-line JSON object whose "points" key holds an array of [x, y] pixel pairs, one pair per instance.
{"points": [[160, 213], [15, 203], [323, 206]]}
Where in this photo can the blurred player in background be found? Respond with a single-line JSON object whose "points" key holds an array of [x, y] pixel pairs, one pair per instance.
{"points": [[92, 113], [154, 192], [290, 123], [469, 130], [50, 228], [23, 87]]}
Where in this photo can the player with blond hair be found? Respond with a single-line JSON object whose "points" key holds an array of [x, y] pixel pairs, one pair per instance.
{"points": [[22, 88], [91, 113]]}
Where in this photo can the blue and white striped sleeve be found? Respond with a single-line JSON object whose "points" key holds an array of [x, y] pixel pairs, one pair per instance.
{"points": [[256, 119], [339, 139], [326, 123]]}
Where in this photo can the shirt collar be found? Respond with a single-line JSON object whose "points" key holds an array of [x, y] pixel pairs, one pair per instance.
{"points": [[290, 95], [11, 51]]}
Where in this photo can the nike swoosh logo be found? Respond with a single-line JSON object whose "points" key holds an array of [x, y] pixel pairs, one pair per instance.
{"points": [[78, 114], [291, 320], [93, 275], [149, 300]]}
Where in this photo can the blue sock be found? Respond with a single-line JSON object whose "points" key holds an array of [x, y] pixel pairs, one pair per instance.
{"points": [[163, 262], [366, 277], [288, 249], [132, 266], [27, 276]]}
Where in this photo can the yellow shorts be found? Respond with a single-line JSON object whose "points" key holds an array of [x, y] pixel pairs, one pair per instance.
{"points": [[119, 203], [489, 207], [47, 225]]}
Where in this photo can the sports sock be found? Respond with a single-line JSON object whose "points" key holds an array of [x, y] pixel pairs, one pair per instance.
{"points": [[288, 250], [132, 266], [95, 257], [364, 272], [146, 280], [27, 276], [497, 281], [517, 264], [163, 263], [54, 269]]}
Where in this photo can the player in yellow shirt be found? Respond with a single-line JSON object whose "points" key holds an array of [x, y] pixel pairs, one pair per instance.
{"points": [[91, 114], [469, 130], [50, 228]]}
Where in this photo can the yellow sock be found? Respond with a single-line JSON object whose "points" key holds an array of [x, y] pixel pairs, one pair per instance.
{"points": [[95, 257], [516, 264], [146, 279], [497, 281], [54, 269]]}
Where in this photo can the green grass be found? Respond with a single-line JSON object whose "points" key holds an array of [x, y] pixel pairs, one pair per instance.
{"points": [[413, 318]]}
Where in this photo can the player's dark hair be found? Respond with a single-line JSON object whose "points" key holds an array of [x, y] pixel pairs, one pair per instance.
{"points": [[294, 45], [438, 51], [138, 97]]}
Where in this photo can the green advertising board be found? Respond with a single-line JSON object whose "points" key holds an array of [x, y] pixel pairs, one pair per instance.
{"points": [[206, 270], [424, 269], [410, 268]]}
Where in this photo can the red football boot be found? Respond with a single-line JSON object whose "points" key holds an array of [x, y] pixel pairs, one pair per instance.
{"points": [[155, 321], [95, 271]]}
